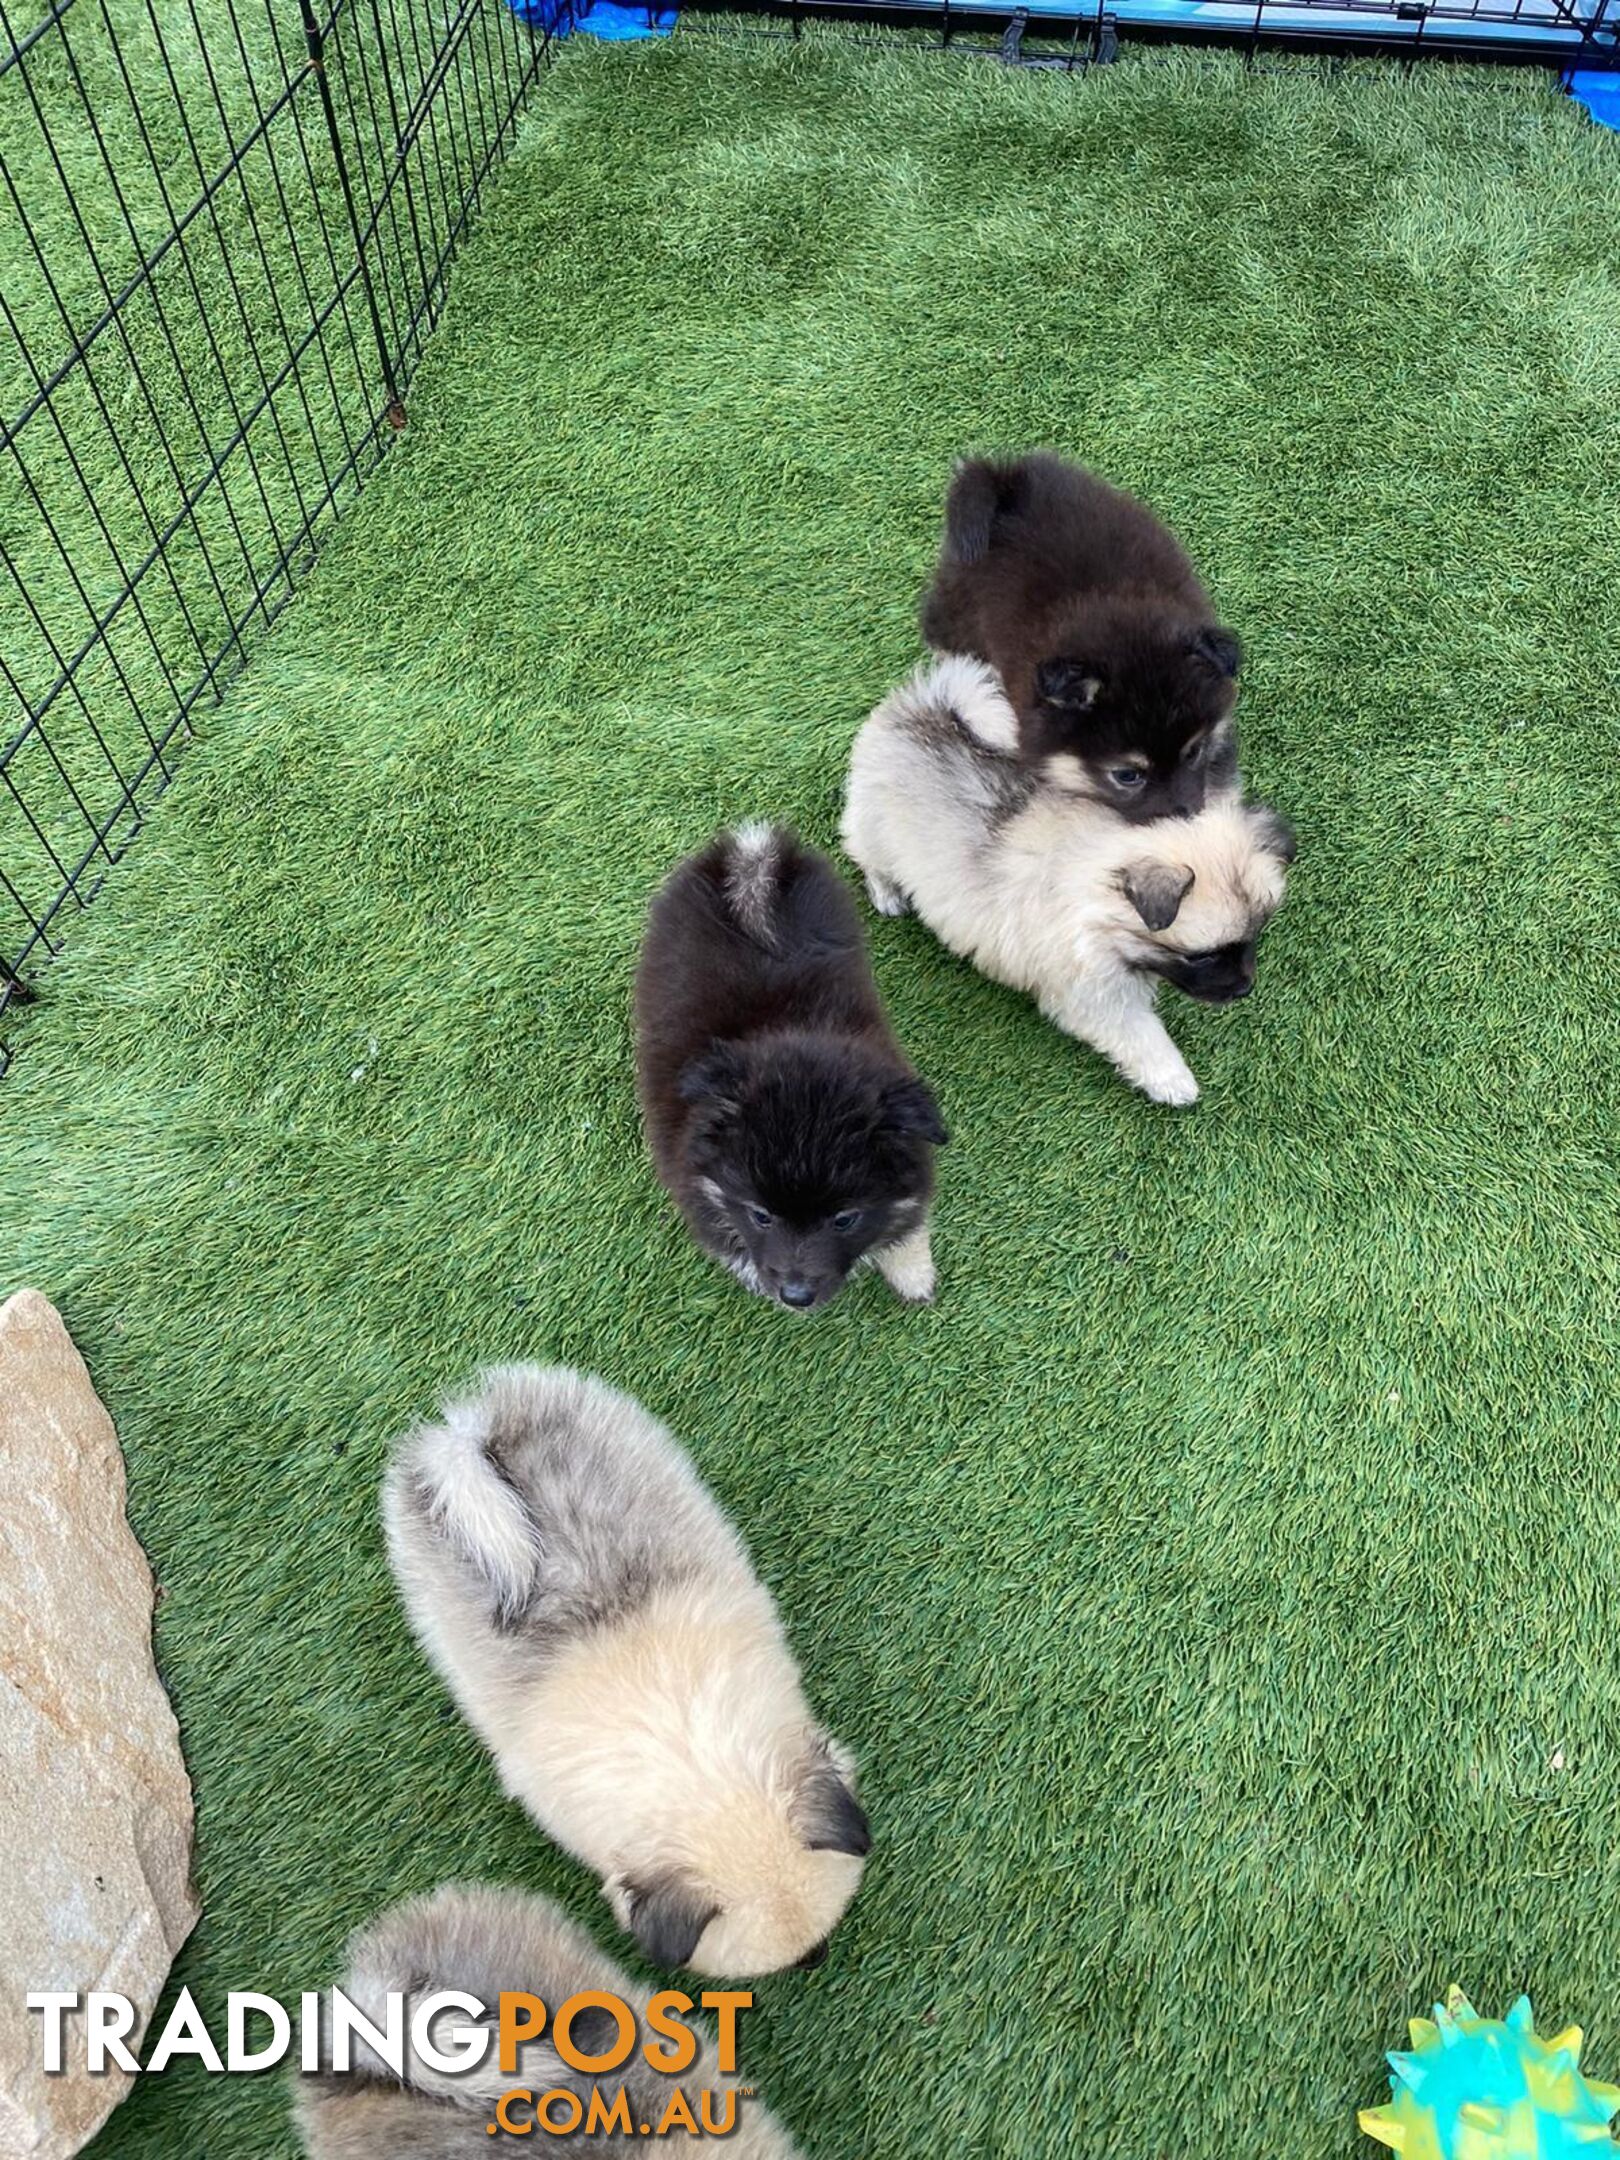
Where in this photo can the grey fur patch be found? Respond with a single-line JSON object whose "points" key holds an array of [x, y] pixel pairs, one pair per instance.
{"points": [[752, 874], [1004, 786], [603, 1556], [668, 1916], [828, 1815], [1221, 759], [484, 1941], [1014, 792], [1156, 891]]}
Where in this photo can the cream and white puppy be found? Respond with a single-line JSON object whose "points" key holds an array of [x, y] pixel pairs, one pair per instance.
{"points": [[1049, 891], [485, 1942], [598, 1622]]}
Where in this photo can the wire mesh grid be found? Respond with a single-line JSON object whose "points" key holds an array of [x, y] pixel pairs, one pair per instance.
{"points": [[1076, 34], [226, 227]]}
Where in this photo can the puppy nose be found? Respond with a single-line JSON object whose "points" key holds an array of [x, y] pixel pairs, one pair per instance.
{"points": [[797, 1293]]}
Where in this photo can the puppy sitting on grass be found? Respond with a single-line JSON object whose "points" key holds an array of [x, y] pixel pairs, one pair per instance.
{"points": [[1049, 891], [780, 1110], [597, 1620], [486, 1942]]}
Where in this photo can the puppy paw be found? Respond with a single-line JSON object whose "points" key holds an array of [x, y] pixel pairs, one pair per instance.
{"points": [[1173, 1084], [914, 1285], [886, 898], [908, 1269]]}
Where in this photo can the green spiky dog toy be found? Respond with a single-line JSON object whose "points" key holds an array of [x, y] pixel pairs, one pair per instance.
{"points": [[1476, 2088]]}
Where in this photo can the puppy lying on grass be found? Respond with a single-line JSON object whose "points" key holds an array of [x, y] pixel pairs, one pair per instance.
{"points": [[487, 1942], [1050, 892], [596, 1618], [781, 1112]]}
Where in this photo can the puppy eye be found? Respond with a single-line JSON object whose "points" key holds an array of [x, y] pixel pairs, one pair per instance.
{"points": [[847, 1219], [1127, 776], [762, 1218]]}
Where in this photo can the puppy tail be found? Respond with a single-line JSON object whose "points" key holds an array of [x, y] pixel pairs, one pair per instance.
{"points": [[458, 1936], [979, 493], [453, 1474], [753, 880], [477, 1940], [952, 695], [971, 692]]}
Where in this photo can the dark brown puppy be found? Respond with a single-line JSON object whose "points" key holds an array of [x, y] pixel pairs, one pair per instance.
{"points": [[1088, 608], [780, 1110]]}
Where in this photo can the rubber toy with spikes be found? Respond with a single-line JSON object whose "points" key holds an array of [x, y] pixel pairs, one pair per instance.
{"points": [[1475, 2088]]}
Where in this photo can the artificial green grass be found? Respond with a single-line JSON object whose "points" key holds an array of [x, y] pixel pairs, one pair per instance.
{"points": [[1219, 1583]]}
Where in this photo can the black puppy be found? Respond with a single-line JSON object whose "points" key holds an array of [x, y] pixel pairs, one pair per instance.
{"points": [[780, 1110], [1088, 608]]}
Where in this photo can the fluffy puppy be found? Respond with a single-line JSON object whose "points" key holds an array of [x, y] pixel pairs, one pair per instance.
{"points": [[780, 1110], [486, 1942], [1088, 608], [1049, 891], [599, 1625]]}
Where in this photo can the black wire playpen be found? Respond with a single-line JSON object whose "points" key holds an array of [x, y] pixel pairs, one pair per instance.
{"points": [[227, 226], [225, 230]]}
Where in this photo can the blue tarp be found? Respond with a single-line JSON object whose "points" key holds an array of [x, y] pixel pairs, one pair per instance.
{"points": [[608, 20], [605, 19], [1598, 90]]}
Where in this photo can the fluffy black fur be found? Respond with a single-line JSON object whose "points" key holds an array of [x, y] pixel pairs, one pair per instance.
{"points": [[1088, 608], [780, 1111]]}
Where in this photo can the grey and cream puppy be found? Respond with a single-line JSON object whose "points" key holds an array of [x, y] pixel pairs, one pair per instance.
{"points": [[598, 1621], [1052, 892], [485, 1941]]}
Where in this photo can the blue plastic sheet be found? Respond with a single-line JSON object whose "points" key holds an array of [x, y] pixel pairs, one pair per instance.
{"points": [[608, 20], [605, 19], [1598, 90]]}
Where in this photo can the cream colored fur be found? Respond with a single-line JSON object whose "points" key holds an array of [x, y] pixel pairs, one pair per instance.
{"points": [[635, 1686], [1027, 880]]}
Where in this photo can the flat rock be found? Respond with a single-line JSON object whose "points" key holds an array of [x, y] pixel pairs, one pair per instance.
{"points": [[95, 1804]]}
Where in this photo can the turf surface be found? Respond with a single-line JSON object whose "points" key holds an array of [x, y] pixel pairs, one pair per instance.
{"points": [[1219, 1584]]}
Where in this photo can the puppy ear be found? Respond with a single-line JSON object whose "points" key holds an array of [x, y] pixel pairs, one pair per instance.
{"points": [[716, 1077], [1156, 891], [909, 1107], [667, 1915], [1273, 832], [1217, 648], [1069, 684], [827, 1814]]}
